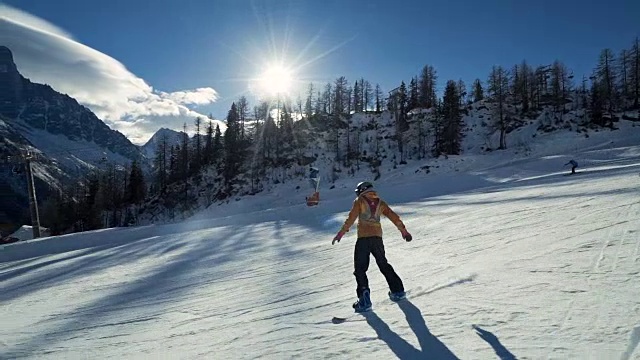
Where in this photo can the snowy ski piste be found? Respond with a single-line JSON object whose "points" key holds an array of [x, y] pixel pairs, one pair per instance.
{"points": [[510, 259]]}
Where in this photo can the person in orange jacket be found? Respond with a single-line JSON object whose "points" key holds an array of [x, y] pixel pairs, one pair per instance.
{"points": [[367, 209]]}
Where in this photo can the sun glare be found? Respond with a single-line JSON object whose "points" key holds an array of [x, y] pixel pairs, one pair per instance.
{"points": [[276, 80]]}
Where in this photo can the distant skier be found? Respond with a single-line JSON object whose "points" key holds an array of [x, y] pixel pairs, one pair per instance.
{"points": [[367, 208], [314, 180], [574, 165], [313, 177]]}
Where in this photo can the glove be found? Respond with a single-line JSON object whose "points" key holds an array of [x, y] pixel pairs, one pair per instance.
{"points": [[337, 238], [406, 235]]}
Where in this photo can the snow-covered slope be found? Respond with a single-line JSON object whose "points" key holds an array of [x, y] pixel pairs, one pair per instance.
{"points": [[25, 232], [511, 258]]}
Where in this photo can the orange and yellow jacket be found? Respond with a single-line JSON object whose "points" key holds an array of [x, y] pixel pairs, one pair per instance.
{"points": [[367, 209]]}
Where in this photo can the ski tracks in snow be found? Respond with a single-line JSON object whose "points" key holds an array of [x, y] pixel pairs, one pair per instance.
{"points": [[613, 263]]}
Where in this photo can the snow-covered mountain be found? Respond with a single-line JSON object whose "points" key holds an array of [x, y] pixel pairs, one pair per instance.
{"points": [[511, 258], [67, 138], [172, 137]]}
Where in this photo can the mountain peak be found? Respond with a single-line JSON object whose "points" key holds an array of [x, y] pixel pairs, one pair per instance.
{"points": [[7, 65], [173, 137], [5, 53], [10, 83], [164, 132]]}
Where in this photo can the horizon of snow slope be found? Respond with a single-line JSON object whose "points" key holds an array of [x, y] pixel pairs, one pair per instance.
{"points": [[511, 258]]}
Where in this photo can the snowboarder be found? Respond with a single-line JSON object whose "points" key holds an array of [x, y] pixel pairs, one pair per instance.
{"points": [[574, 165], [314, 180], [367, 208]]}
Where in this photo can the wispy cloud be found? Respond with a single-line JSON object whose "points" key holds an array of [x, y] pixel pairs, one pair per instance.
{"points": [[200, 96], [47, 54]]}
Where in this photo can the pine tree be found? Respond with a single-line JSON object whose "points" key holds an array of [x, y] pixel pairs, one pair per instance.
{"points": [[539, 88], [160, 164], [523, 88], [403, 100], [462, 92], [437, 129], [398, 106], [516, 82], [340, 95], [623, 68], [269, 131], [89, 210], [207, 157], [520, 79], [451, 130], [113, 193], [427, 87], [217, 147], [197, 160], [232, 146], [634, 69], [499, 93], [413, 94], [597, 103], [326, 98], [478, 91], [356, 97], [606, 77], [584, 94], [174, 163], [52, 215], [184, 167], [287, 137], [367, 95], [379, 98], [308, 105], [533, 88], [362, 95], [422, 137], [299, 105], [243, 110], [137, 189], [184, 156], [560, 85], [320, 107]]}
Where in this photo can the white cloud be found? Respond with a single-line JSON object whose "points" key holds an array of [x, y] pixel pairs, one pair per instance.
{"points": [[200, 96], [46, 54]]}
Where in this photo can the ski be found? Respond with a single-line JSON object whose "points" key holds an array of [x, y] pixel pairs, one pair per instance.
{"points": [[340, 320]]}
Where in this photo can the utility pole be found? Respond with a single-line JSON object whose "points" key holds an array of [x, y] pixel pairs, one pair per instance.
{"points": [[33, 203]]}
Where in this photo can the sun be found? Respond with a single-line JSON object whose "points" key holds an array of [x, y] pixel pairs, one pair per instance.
{"points": [[276, 80]]}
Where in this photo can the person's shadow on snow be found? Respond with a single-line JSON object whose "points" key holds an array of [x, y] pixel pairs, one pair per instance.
{"points": [[431, 347], [497, 346]]}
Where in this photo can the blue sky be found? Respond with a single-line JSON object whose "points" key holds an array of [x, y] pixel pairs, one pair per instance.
{"points": [[221, 44]]}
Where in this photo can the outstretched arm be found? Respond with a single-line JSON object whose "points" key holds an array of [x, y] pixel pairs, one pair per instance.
{"points": [[395, 218], [353, 215]]}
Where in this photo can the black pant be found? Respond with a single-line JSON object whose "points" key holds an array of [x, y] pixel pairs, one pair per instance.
{"points": [[373, 245]]}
